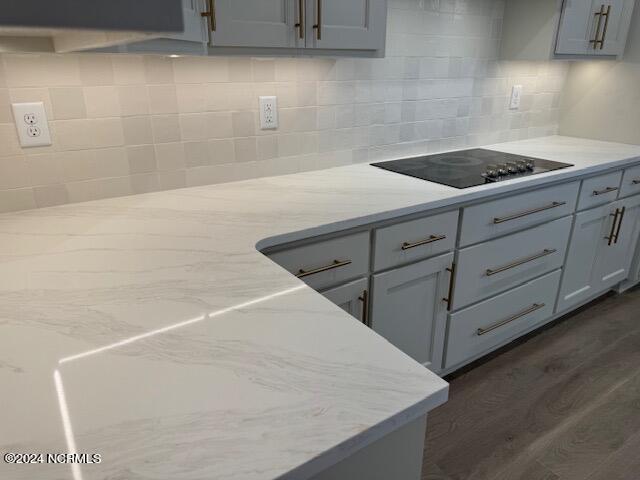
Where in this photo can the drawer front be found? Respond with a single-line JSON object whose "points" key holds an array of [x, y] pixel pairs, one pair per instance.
{"points": [[630, 182], [414, 240], [493, 267], [489, 324], [327, 263], [508, 215], [599, 190]]}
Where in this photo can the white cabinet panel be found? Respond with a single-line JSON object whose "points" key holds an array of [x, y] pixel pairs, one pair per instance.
{"points": [[507, 215], [498, 265], [346, 25], [254, 23], [491, 323], [352, 298], [414, 240], [582, 23], [409, 310]]}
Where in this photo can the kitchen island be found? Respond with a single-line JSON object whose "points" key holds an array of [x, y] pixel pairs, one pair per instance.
{"points": [[168, 344]]}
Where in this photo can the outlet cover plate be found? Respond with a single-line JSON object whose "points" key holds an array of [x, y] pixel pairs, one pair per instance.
{"points": [[516, 97], [31, 123], [268, 113]]}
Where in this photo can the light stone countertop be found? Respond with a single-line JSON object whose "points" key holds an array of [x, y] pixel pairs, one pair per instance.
{"points": [[150, 330]]}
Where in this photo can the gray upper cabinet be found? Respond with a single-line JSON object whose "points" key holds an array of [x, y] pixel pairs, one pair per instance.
{"points": [[71, 25], [547, 29], [594, 27], [346, 24], [253, 23], [290, 26], [124, 15], [273, 27]]}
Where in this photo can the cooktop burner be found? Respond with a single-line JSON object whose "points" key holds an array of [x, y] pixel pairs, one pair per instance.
{"points": [[469, 168]]}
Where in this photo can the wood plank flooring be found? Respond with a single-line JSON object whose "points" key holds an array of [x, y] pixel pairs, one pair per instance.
{"points": [[561, 404]]}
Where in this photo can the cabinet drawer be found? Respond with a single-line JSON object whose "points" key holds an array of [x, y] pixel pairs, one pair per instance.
{"points": [[508, 215], [630, 182], [327, 263], [599, 190], [489, 324], [492, 267], [414, 240]]}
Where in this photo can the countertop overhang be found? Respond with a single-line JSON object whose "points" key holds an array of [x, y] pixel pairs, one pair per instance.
{"points": [[151, 330]]}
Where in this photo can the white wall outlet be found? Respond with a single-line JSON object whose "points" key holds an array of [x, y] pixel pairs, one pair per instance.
{"points": [[268, 113], [516, 97], [32, 125]]}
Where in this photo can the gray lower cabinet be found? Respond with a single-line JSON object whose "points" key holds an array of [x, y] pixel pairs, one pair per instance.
{"points": [[491, 323], [601, 251], [498, 265], [352, 297], [409, 308]]}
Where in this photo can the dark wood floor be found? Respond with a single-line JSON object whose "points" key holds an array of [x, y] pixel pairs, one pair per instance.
{"points": [[563, 404]]}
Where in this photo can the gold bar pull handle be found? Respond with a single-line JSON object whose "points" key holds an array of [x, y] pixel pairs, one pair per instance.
{"points": [[318, 26], [211, 14], [528, 212], [622, 212], [364, 298], [597, 40], [606, 25], [531, 309], [426, 241], [300, 24], [604, 191], [336, 264], [449, 297], [612, 235], [517, 263]]}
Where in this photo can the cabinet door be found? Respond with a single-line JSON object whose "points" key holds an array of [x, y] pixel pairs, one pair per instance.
{"points": [[594, 263], [581, 24], [346, 25], [409, 310], [352, 298], [195, 27], [254, 23], [615, 260], [579, 280]]}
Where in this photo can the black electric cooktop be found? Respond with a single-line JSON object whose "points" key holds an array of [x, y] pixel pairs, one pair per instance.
{"points": [[469, 168]]}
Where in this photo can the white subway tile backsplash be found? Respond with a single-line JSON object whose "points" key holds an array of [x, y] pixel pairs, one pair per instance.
{"points": [[125, 124], [102, 101], [166, 128], [170, 156], [96, 70], [162, 99], [137, 130], [67, 103]]}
